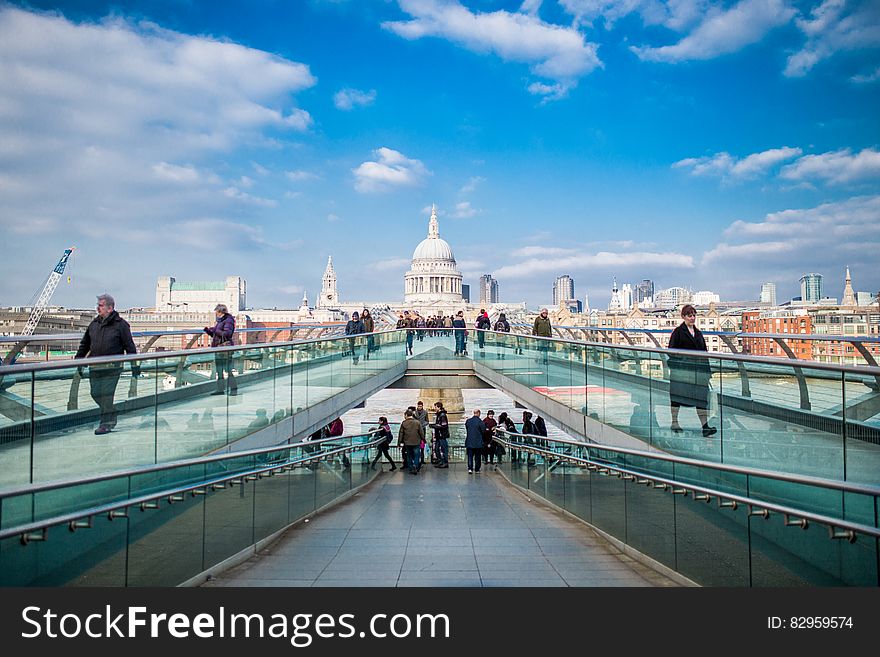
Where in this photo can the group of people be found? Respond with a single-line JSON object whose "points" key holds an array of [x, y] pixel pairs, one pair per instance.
{"points": [[358, 325], [480, 438]]}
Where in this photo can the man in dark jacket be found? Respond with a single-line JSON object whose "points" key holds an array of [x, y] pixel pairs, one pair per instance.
{"points": [[354, 327], [475, 432], [543, 329], [482, 324], [441, 435], [410, 437], [107, 335]]}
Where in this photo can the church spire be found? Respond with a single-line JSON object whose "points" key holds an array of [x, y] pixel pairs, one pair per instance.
{"points": [[433, 226], [849, 297]]}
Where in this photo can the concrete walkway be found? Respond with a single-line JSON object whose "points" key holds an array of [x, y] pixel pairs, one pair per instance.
{"points": [[441, 528]]}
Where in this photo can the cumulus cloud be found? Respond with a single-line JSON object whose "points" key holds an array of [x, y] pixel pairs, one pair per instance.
{"points": [[674, 14], [553, 52], [723, 31], [121, 120], [347, 99], [390, 170], [576, 262], [244, 197], [818, 236], [464, 210], [726, 166], [834, 26], [836, 167]]}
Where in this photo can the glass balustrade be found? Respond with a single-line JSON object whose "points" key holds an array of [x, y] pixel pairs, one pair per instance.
{"points": [[705, 537], [169, 405], [804, 418], [183, 519]]}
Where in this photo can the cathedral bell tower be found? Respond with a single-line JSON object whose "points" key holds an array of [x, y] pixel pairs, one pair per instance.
{"points": [[329, 294]]}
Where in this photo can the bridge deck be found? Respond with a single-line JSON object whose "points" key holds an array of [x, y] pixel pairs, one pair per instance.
{"points": [[441, 528]]}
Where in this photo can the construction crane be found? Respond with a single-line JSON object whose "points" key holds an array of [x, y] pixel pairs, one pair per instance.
{"points": [[46, 294]]}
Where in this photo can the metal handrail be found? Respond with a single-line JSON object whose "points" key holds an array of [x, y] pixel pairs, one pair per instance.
{"points": [[69, 518], [712, 355], [168, 465], [726, 500], [865, 489], [68, 337], [155, 355], [733, 334]]}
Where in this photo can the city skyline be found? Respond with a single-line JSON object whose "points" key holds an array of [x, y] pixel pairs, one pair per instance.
{"points": [[712, 145]]}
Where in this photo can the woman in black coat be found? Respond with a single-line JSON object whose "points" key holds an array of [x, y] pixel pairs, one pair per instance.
{"points": [[689, 377]]}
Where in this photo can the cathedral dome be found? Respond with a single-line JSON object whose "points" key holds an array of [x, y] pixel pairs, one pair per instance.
{"points": [[433, 248]]}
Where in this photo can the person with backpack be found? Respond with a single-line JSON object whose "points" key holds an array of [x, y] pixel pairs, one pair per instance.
{"points": [[459, 327], [502, 326], [334, 430], [482, 324], [441, 435], [354, 327], [382, 449]]}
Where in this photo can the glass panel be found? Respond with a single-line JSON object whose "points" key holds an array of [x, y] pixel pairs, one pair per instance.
{"points": [[302, 491], [650, 513], [577, 492], [86, 557], [229, 521], [16, 454], [190, 420], [271, 502], [785, 422], [609, 505], [167, 544], [862, 414], [711, 543]]}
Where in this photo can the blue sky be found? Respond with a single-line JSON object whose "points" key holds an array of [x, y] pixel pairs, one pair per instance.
{"points": [[713, 145]]}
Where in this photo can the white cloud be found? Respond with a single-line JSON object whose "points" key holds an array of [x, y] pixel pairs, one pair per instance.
{"points": [[723, 32], [244, 197], [332, 218], [674, 14], [121, 120], [300, 175], [175, 173], [390, 170], [840, 167], [291, 289], [819, 236], [391, 264], [347, 99], [471, 185], [835, 26], [553, 52], [464, 210], [726, 166], [536, 251], [864, 78], [591, 261]]}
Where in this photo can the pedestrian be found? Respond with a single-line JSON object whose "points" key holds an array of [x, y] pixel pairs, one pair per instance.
{"points": [[409, 437], [458, 326], [408, 324], [541, 430], [422, 416], [222, 336], [441, 435], [689, 377], [481, 325], [354, 326], [502, 326], [528, 429], [475, 431], [505, 423], [543, 329], [369, 327], [382, 448], [107, 335], [335, 430], [422, 325], [489, 443]]}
